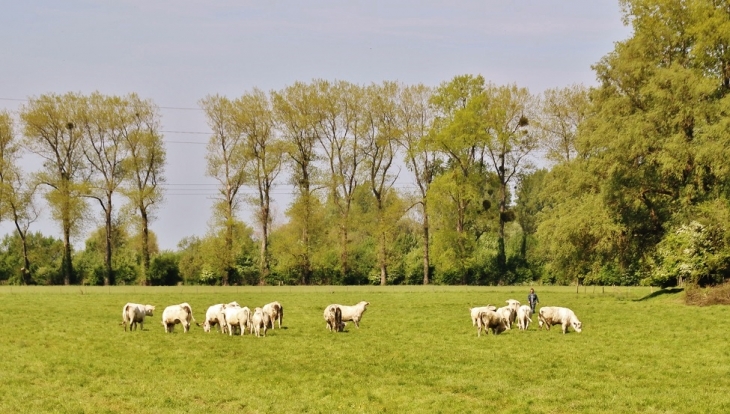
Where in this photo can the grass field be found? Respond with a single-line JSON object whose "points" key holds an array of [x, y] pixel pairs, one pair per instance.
{"points": [[62, 350]]}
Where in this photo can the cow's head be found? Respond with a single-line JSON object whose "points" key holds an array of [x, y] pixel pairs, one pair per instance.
{"points": [[206, 326], [148, 309], [577, 325]]}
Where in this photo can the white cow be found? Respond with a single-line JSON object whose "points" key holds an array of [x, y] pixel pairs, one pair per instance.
{"points": [[490, 319], [554, 315], [273, 312], [509, 314], [175, 314], [215, 316], [333, 317], [474, 312], [354, 313], [134, 313], [257, 322], [524, 317], [237, 317]]}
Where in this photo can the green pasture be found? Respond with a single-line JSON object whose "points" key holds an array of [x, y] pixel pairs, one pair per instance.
{"points": [[62, 350]]}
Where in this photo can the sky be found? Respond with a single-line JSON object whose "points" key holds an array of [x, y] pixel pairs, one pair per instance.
{"points": [[178, 52]]}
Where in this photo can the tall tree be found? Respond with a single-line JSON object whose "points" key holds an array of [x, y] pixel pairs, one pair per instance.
{"points": [[227, 163], [255, 119], [103, 125], [382, 135], [298, 122], [341, 134], [51, 132], [464, 184], [562, 110], [17, 194], [145, 167], [503, 116], [9, 155], [416, 114]]}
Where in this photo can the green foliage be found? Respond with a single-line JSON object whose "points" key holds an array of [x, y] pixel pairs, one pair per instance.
{"points": [[89, 263], [45, 257], [164, 270], [693, 253]]}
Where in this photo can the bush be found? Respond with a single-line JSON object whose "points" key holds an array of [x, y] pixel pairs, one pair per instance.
{"points": [[164, 270], [718, 295]]}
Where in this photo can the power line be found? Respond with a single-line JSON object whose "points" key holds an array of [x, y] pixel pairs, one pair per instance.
{"points": [[182, 108]]}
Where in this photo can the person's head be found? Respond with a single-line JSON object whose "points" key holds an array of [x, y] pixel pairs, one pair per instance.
{"points": [[532, 290]]}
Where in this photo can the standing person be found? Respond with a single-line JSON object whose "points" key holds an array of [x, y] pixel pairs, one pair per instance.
{"points": [[532, 299]]}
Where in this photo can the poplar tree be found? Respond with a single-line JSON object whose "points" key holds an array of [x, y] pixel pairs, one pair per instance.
{"points": [[17, 194], [50, 128], [103, 127], [144, 165], [298, 123], [416, 114], [264, 152], [227, 163], [341, 135], [383, 133]]}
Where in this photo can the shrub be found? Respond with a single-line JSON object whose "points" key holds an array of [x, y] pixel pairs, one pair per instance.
{"points": [[718, 295]]}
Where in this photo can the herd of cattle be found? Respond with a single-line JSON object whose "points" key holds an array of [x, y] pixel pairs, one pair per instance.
{"points": [[501, 319], [232, 318]]}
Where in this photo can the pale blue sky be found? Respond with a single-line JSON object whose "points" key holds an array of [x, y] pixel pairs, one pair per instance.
{"points": [[177, 52]]}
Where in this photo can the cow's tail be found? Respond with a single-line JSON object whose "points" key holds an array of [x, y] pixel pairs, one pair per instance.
{"points": [[125, 317]]}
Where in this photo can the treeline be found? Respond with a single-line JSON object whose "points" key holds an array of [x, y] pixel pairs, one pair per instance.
{"points": [[636, 192]]}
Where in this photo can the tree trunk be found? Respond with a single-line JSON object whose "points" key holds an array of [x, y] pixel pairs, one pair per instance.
{"points": [[383, 265], [108, 279], [264, 248], [501, 255], [344, 265], [26, 261], [229, 244], [66, 265], [307, 266], [145, 246], [426, 264]]}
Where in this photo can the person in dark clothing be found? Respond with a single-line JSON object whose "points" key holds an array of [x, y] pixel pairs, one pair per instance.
{"points": [[532, 299]]}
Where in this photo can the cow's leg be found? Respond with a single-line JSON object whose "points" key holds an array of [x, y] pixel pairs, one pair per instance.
{"points": [[357, 323], [565, 328], [141, 325]]}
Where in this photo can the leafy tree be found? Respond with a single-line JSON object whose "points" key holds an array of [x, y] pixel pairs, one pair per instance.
{"points": [[44, 255], [562, 110], [381, 141], [50, 126], [104, 124], [341, 135], [91, 262], [227, 163], [17, 195], [191, 261], [298, 122], [164, 270], [264, 153], [421, 157], [145, 169]]}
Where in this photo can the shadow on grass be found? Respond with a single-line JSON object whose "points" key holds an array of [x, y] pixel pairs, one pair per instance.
{"points": [[661, 292]]}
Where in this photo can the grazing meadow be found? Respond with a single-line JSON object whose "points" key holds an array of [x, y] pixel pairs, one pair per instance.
{"points": [[62, 349]]}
